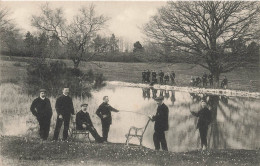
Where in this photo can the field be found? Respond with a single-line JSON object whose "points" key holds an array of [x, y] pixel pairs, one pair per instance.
{"points": [[20, 151], [244, 78]]}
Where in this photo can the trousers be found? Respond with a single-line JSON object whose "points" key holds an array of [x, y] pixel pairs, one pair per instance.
{"points": [[105, 129], [159, 140], [203, 135], [44, 123], [66, 120]]}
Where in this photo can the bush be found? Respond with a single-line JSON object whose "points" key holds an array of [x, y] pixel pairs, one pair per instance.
{"points": [[54, 76]]}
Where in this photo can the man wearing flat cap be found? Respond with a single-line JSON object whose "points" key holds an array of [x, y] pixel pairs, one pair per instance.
{"points": [[83, 122], [161, 124], [41, 108]]}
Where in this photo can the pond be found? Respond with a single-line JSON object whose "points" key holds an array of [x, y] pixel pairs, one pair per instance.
{"points": [[235, 119]]}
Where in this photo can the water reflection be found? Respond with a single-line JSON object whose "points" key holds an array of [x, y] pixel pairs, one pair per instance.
{"points": [[235, 120]]}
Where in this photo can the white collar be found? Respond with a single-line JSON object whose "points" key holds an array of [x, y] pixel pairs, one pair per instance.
{"points": [[42, 98]]}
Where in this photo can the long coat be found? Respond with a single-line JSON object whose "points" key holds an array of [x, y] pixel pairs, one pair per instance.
{"points": [[204, 115], [41, 108], [161, 118], [105, 109], [83, 118], [64, 106]]}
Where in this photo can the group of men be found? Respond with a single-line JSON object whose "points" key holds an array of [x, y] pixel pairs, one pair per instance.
{"points": [[164, 77], [42, 110], [205, 79]]}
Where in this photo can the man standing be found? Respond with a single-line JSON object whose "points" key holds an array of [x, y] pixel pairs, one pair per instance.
{"points": [[161, 74], [64, 108], [41, 108], [204, 115], [104, 113], [161, 124], [144, 76], [173, 77], [204, 79], [83, 122]]}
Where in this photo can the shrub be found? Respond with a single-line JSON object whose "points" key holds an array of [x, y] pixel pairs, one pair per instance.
{"points": [[54, 76]]}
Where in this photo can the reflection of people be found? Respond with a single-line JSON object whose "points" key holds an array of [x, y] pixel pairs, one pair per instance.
{"points": [[173, 97], [64, 108], [41, 108], [83, 122], [104, 113], [161, 124], [204, 115]]}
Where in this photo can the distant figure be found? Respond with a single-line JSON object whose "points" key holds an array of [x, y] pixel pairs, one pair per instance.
{"points": [[104, 113], [144, 76], [166, 78], [161, 75], [64, 108], [224, 83], [154, 79], [41, 109], [210, 77], [198, 81], [148, 75], [204, 115], [161, 124], [172, 76], [204, 79], [192, 81], [83, 122]]}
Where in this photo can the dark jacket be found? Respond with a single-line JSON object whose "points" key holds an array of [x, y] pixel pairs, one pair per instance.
{"points": [[41, 108], [64, 106], [83, 118], [105, 109], [161, 118], [204, 117]]}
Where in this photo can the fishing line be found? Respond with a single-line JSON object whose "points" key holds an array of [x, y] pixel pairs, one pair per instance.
{"points": [[136, 113]]}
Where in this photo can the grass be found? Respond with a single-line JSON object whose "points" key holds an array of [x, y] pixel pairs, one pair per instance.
{"points": [[80, 153], [243, 78]]}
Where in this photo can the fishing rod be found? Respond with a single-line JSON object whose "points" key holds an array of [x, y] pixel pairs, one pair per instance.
{"points": [[136, 113]]}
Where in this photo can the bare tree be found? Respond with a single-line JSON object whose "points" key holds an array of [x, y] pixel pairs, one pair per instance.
{"points": [[77, 35], [204, 31]]}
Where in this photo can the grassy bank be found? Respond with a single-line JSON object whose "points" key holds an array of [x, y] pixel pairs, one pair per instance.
{"points": [[32, 152], [244, 78]]}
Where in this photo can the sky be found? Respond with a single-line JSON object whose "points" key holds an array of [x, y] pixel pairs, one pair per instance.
{"points": [[126, 17]]}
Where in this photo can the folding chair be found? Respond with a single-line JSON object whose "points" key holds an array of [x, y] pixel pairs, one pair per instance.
{"points": [[74, 132], [136, 132]]}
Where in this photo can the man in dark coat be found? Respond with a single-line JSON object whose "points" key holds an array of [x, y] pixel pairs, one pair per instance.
{"points": [[64, 108], [144, 76], [148, 75], [204, 79], [104, 113], [210, 77], [172, 77], [41, 108], [161, 124], [224, 83], [161, 74], [83, 122], [204, 115]]}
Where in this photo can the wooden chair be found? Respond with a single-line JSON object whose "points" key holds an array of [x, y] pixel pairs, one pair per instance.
{"points": [[136, 132], [74, 132]]}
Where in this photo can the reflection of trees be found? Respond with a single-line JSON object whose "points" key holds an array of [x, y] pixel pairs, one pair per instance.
{"points": [[234, 123]]}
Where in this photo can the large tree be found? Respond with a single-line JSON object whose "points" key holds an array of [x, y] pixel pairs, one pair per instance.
{"points": [[77, 35], [204, 31]]}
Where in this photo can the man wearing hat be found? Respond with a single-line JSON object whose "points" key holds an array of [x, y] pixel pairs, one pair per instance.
{"points": [[204, 115], [83, 122], [64, 108], [161, 124], [41, 108]]}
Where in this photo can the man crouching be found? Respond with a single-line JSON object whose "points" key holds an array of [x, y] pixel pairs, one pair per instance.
{"points": [[83, 122]]}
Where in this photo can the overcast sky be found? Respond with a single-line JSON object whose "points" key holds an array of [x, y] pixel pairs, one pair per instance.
{"points": [[126, 17]]}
